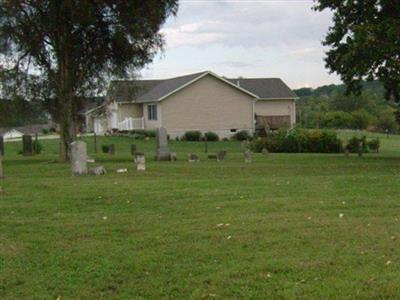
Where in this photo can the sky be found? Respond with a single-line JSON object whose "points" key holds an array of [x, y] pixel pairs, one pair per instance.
{"points": [[248, 38]]}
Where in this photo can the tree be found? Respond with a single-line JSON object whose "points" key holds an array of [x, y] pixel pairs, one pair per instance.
{"points": [[365, 43], [76, 45]]}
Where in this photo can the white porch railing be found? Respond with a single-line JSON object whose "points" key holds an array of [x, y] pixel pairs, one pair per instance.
{"points": [[131, 124]]}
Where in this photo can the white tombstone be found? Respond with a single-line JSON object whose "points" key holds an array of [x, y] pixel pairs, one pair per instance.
{"points": [[78, 158], [140, 160], [247, 156]]}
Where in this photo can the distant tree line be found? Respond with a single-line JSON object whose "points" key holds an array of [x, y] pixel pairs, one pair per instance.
{"points": [[330, 107]]}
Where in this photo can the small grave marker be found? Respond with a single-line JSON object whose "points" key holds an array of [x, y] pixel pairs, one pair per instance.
{"points": [[100, 170], [193, 158], [140, 160], [221, 155], [247, 156], [1, 145], [173, 156]]}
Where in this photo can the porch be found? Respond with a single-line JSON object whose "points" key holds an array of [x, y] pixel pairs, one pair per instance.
{"points": [[129, 124]]}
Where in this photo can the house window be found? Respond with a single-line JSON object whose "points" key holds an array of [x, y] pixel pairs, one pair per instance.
{"points": [[152, 112]]}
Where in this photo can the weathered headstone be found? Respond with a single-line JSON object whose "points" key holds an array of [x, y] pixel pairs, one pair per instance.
{"points": [[98, 171], [247, 156], [163, 153], [133, 149], [111, 149], [221, 155], [140, 160], [193, 158], [173, 156], [27, 145], [1, 145], [79, 158]]}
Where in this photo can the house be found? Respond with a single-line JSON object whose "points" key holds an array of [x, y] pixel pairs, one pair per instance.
{"points": [[17, 132], [203, 101]]}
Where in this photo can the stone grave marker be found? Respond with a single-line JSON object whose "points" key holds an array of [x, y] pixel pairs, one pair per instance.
{"points": [[140, 160], [1, 145], [193, 158], [163, 153], [27, 145], [100, 170], [221, 155], [247, 156], [111, 149], [173, 156], [79, 158]]}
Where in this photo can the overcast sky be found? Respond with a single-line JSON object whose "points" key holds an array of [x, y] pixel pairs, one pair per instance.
{"points": [[249, 38]]}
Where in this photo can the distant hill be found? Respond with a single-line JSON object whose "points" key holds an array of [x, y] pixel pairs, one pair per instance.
{"points": [[375, 87]]}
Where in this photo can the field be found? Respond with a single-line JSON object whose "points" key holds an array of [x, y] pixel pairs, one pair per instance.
{"points": [[286, 226]]}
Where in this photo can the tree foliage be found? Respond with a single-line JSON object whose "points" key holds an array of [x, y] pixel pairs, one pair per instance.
{"points": [[364, 42], [76, 45]]}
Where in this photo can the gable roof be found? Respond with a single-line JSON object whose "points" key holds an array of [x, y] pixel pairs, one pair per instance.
{"points": [[27, 129], [156, 90], [265, 88]]}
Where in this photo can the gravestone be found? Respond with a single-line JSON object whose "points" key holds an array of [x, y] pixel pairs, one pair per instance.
{"points": [[133, 149], [265, 151], [140, 160], [27, 145], [111, 149], [346, 152], [79, 158], [1, 145], [221, 155], [212, 156], [173, 156], [163, 153], [247, 156], [98, 171], [193, 158]]}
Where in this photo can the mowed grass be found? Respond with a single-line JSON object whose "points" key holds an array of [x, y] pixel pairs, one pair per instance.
{"points": [[158, 234]]}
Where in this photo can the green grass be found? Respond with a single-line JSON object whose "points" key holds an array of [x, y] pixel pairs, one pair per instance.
{"points": [[154, 235]]}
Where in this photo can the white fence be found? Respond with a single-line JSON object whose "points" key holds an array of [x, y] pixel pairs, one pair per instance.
{"points": [[131, 124]]}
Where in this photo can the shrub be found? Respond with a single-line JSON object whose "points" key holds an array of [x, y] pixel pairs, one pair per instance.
{"points": [[242, 135], [337, 119], [141, 133], [37, 147], [192, 136], [387, 121], [361, 119], [45, 131], [299, 140], [211, 136], [374, 145], [357, 145], [104, 148]]}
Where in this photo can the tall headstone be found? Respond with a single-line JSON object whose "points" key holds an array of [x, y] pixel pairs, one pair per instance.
{"points": [[1, 145], [79, 158], [27, 145], [162, 145]]}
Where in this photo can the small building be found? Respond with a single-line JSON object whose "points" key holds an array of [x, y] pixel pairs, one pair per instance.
{"points": [[202, 101], [10, 133]]}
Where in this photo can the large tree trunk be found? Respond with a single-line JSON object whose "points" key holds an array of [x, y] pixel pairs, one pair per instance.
{"points": [[67, 129]]}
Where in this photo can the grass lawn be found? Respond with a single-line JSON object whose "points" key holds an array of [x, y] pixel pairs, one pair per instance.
{"points": [[158, 234]]}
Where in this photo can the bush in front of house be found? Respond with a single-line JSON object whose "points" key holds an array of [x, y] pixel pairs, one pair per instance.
{"points": [[211, 136], [192, 136], [356, 145], [299, 140], [142, 133], [104, 148], [242, 135]]}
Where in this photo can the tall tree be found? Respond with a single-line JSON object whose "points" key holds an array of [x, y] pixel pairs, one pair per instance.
{"points": [[364, 42], [77, 44]]}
